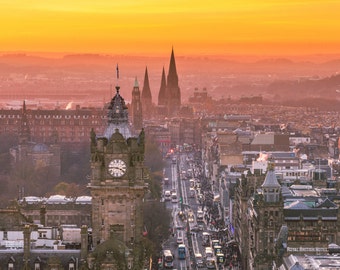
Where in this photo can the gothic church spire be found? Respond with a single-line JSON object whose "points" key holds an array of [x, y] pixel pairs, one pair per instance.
{"points": [[172, 88], [162, 96], [146, 97]]}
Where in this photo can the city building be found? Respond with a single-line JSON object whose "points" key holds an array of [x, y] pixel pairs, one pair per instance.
{"points": [[56, 210], [264, 218], [72, 126], [118, 186]]}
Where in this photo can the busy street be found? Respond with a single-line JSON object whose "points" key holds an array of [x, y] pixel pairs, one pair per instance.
{"points": [[199, 237]]}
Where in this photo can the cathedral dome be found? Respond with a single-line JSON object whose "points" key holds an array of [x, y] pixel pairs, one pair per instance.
{"points": [[117, 136]]}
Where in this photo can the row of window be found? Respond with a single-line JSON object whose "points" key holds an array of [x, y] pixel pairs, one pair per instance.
{"points": [[37, 265], [39, 116]]}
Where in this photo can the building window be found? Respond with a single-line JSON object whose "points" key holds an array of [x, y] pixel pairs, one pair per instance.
{"points": [[37, 266], [5, 235]]}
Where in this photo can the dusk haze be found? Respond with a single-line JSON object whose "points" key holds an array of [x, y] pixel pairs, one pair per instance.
{"points": [[170, 134]]}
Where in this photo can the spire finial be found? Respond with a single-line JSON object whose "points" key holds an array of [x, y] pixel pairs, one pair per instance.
{"points": [[136, 82], [117, 69], [117, 86]]}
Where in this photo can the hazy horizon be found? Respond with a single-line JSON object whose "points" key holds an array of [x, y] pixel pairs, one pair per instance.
{"points": [[316, 57]]}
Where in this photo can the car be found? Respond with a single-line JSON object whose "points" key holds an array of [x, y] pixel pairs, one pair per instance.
{"points": [[167, 195], [195, 228], [180, 238], [199, 260]]}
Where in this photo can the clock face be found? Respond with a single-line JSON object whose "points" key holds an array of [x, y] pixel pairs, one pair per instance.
{"points": [[117, 167]]}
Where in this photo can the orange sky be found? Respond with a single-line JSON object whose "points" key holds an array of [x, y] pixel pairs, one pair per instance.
{"points": [[148, 27]]}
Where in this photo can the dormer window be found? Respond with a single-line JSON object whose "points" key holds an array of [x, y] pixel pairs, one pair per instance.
{"points": [[37, 266], [10, 264], [71, 264]]}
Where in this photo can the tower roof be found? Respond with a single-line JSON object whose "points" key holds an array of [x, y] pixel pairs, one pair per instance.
{"points": [[271, 181], [117, 117], [146, 92]]}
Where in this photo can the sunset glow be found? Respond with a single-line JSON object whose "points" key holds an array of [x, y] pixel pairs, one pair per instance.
{"points": [[277, 27]]}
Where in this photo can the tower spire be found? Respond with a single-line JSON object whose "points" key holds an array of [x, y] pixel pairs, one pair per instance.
{"points": [[136, 106], [172, 75], [146, 92], [173, 90], [147, 97], [117, 74], [162, 95]]}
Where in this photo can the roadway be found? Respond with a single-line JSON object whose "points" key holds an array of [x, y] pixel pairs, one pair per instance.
{"points": [[184, 211]]}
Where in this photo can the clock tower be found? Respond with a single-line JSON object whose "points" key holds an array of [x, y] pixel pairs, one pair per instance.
{"points": [[117, 180]]}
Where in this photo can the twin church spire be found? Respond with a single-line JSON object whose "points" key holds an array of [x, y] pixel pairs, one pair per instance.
{"points": [[169, 92], [169, 96], [169, 102]]}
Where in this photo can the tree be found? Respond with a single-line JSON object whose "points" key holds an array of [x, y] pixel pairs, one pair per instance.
{"points": [[69, 189], [153, 156], [156, 219], [75, 163]]}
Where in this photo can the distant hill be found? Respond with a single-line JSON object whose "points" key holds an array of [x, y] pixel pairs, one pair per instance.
{"points": [[304, 88]]}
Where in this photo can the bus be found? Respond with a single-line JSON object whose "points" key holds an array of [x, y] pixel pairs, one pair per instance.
{"points": [[181, 252], [168, 259], [210, 263], [217, 249], [220, 258]]}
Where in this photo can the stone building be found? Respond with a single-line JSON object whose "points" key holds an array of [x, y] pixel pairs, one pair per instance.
{"points": [[56, 210], [311, 226], [72, 126], [117, 187], [257, 219]]}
